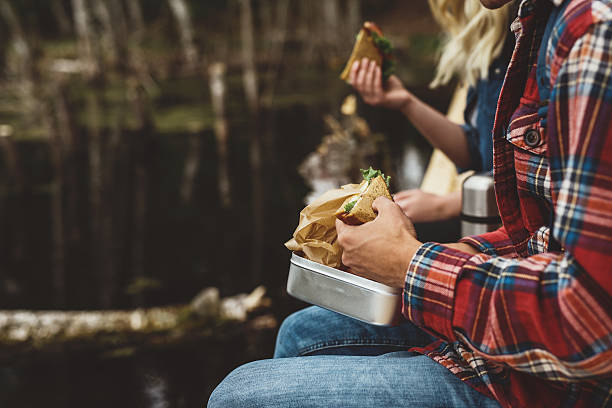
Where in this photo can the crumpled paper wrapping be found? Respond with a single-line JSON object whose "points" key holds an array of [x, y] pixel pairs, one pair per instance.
{"points": [[316, 235]]}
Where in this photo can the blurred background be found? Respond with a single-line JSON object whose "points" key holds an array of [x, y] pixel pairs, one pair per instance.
{"points": [[150, 149]]}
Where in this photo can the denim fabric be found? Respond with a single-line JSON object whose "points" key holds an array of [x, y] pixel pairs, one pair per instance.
{"points": [[325, 375], [482, 101], [316, 331]]}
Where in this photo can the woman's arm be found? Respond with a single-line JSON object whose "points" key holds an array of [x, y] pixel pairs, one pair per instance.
{"points": [[442, 133]]}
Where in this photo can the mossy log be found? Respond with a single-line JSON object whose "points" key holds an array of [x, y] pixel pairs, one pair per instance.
{"points": [[111, 331]]}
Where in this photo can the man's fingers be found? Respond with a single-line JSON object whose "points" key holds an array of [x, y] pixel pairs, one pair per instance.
{"points": [[382, 204], [340, 226]]}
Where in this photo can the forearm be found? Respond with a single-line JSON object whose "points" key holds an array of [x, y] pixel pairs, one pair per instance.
{"points": [[495, 304], [441, 132], [451, 205]]}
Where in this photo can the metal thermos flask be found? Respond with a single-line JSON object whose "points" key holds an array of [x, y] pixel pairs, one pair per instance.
{"points": [[479, 212]]}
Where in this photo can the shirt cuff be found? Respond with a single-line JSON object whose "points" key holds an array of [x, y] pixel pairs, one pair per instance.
{"points": [[494, 243], [429, 290]]}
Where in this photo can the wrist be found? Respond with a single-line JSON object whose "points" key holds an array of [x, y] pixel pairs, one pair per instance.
{"points": [[449, 206], [405, 103], [463, 247]]}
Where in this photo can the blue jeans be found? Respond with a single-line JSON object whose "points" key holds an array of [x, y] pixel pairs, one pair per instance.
{"points": [[323, 359]]}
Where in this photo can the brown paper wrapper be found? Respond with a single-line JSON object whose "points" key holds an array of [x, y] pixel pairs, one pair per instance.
{"points": [[316, 236]]}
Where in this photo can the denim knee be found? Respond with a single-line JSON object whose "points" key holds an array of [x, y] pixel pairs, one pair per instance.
{"points": [[231, 392], [258, 384], [297, 330], [288, 334]]}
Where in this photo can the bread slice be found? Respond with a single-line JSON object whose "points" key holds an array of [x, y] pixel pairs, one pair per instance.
{"points": [[362, 212], [364, 47], [371, 44]]}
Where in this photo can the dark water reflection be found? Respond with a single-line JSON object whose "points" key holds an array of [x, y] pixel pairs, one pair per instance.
{"points": [[179, 376]]}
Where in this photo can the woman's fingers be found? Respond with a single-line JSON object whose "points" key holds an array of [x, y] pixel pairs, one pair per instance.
{"points": [[404, 194], [378, 79], [365, 77], [360, 82], [353, 73], [369, 78]]}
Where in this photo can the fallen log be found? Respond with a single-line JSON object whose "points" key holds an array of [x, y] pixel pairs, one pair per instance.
{"points": [[23, 331]]}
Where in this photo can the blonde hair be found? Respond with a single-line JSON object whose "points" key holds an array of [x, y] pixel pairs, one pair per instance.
{"points": [[475, 36]]}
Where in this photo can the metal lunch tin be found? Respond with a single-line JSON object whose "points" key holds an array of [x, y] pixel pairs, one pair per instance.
{"points": [[343, 292]]}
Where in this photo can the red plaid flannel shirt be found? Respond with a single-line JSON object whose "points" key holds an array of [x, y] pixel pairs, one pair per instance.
{"points": [[523, 324]]}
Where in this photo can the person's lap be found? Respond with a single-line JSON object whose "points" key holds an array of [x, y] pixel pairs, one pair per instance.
{"points": [[317, 331], [323, 359], [398, 379]]}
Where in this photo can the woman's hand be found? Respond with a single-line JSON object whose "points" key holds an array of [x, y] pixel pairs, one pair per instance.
{"points": [[366, 78], [380, 250], [420, 206]]}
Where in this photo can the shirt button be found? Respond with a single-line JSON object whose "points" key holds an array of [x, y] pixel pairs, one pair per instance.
{"points": [[532, 138]]}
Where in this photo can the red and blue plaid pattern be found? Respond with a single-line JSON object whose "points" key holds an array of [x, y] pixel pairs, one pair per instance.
{"points": [[524, 324]]}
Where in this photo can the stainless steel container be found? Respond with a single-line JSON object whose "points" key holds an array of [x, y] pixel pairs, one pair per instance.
{"points": [[479, 212], [343, 292]]}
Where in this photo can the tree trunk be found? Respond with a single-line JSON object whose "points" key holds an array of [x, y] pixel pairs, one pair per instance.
{"points": [[140, 187], [135, 16], [134, 54], [183, 22], [59, 12], [15, 211], [58, 263], [83, 27], [27, 331], [304, 30], [11, 158], [99, 241], [266, 17], [330, 20], [192, 164], [250, 86], [217, 92], [108, 39], [276, 45], [25, 68], [353, 19], [249, 73], [69, 142]]}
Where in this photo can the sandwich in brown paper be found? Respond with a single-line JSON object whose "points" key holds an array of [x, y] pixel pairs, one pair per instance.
{"points": [[316, 238]]}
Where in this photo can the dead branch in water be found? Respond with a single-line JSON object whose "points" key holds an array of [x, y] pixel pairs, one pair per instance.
{"points": [[24, 331]]}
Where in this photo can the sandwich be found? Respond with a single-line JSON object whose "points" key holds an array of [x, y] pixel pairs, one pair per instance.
{"points": [[357, 209], [371, 44]]}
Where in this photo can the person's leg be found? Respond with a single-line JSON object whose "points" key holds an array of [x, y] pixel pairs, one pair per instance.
{"points": [[317, 331], [398, 379]]}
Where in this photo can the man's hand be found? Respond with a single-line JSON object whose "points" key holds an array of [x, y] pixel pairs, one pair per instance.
{"points": [[380, 250], [420, 206], [366, 78]]}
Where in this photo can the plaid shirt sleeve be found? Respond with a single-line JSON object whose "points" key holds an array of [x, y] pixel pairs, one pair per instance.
{"points": [[549, 314]]}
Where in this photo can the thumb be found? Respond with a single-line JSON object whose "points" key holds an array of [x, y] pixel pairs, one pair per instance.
{"points": [[382, 204]]}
